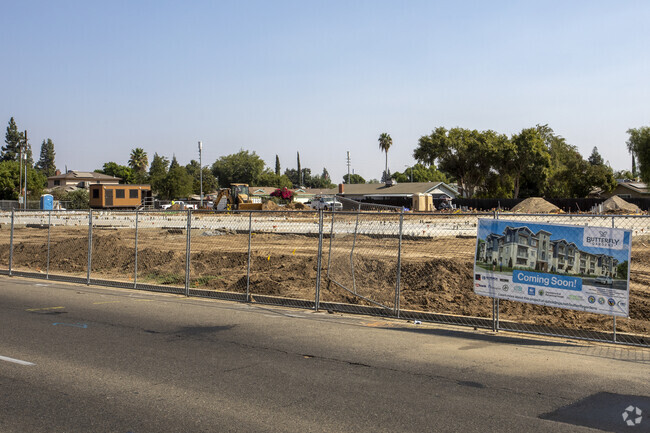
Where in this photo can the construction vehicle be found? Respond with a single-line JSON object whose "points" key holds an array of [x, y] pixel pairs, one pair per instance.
{"points": [[238, 198]]}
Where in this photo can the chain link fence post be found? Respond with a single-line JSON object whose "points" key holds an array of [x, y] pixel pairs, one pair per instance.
{"points": [[11, 243], [329, 254], [248, 264], [319, 260], [49, 226], [135, 261], [90, 244], [399, 264], [614, 317], [187, 252]]}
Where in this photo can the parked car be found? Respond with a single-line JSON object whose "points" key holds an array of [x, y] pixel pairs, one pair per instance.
{"points": [[604, 280], [326, 203]]}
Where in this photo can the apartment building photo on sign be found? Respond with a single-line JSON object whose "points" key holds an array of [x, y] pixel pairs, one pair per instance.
{"points": [[566, 266]]}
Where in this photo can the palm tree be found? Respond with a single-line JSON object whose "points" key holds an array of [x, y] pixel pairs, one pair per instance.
{"points": [[385, 142], [139, 160]]}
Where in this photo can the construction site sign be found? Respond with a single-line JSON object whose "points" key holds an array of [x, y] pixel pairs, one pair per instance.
{"points": [[566, 266]]}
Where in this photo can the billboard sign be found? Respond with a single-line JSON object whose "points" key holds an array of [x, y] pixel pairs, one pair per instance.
{"points": [[574, 267]]}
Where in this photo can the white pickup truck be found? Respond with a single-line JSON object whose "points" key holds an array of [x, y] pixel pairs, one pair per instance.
{"points": [[326, 203]]}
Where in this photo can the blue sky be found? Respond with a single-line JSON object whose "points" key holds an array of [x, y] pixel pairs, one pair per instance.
{"points": [[318, 77], [558, 231]]}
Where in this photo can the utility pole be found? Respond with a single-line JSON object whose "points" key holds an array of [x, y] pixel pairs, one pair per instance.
{"points": [[25, 197], [201, 172]]}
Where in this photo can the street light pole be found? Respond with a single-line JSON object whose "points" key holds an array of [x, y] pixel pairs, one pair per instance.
{"points": [[201, 172]]}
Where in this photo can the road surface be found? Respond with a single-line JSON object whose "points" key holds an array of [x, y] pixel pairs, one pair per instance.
{"points": [[88, 359]]}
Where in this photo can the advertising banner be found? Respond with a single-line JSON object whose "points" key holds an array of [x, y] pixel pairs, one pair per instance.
{"points": [[574, 267]]}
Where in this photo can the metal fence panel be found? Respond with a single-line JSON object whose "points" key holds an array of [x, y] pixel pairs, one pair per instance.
{"points": [[30, 241], [68, 244], [360, 253], [437, 269], [113, 247], [218, 253], [284, 256], [161, 251]]}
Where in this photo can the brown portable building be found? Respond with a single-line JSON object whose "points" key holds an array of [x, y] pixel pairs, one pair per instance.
{"points": [[118, 196]]}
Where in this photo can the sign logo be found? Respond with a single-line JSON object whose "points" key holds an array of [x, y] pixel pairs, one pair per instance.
{"points": [[518, 289], [632, 416], [531, 291], [505, 288], [611, 302], [541, 292], [601, 300], [477, 277], [591, 299], [603, 238]]}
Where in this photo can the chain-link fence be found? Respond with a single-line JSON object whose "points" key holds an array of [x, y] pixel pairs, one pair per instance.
{"points": [[378, 261]]}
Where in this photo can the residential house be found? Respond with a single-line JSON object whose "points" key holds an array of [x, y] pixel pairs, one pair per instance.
{"points": [[80, 179]]}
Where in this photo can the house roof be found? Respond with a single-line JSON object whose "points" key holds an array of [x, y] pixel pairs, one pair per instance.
{"points": [[640, 187], [396, 189], [83, 175]]}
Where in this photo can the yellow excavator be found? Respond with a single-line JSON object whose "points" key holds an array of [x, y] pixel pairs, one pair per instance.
{"points": [[238, 197]]}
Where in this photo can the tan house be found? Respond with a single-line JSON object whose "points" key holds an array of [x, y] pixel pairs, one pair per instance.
{"points": [[629, 189], [80, 179]]}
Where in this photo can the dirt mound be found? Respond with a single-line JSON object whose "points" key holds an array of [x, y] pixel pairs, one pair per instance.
{"points": [[295, 206], [270, 205], [536, 205], [617, 205]]}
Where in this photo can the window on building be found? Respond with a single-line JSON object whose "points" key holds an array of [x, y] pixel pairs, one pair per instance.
{"points": [[95, 193], [57, 182], [133, 193], [119, 193]]}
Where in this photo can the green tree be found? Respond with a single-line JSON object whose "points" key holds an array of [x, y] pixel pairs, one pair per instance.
{"points": [[299, 171], [622, 269], [77, 199], [174, 163], [623, 174], [599, 174], [241, 167], [269, 178], [176, 183], [138, 160], [385, 142], [527, 154], [420, 173], [277, 165], [10, 181], [209, 182], [465, 155], [46, 162], [354, 178], [138, 163], [157, 172], [13, 142], [638, 144], [114, 169]]}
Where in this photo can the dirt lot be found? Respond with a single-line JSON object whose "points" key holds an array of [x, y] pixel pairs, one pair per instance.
{"points": [[436, 274]]}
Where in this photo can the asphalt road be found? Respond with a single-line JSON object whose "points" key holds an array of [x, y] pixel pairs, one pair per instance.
{"points": [[110, 360]]}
